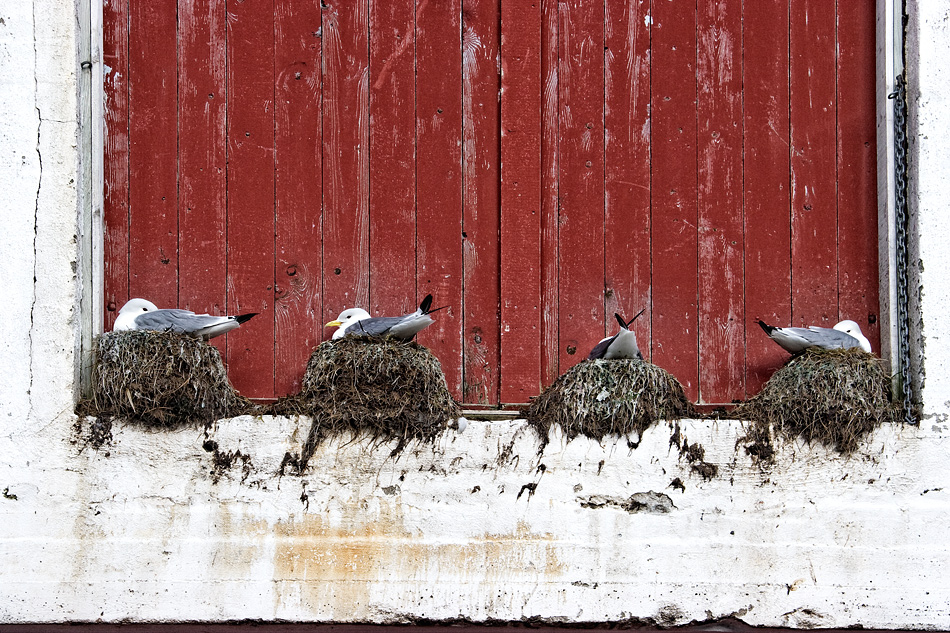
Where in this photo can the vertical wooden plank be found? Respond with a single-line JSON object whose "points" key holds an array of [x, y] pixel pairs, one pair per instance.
{"points": [[674, 190], [299, 189], [251, 193], [857, 170], [550, 159], [721, 304], [521, 103], [766, 188], [202, 100], [813, 163], [346, 157], [439, 178], [392, 214], [153, 153], [480, 219], [115, 53], [581, 180], [627, 152]]}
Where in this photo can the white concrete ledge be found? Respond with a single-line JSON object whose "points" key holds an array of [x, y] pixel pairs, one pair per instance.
{"points": [[140, 531]]}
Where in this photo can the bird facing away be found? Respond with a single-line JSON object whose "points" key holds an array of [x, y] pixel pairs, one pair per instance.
{"points": [[357, 321], [140, 314], [623, 344], [844, 335]]}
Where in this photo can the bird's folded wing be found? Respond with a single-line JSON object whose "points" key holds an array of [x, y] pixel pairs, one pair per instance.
{"points": [[177, 320]]}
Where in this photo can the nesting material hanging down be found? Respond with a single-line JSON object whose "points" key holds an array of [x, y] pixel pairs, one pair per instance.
{"points": [[608, 397], [161, 380], [835, 397], [373, 387]]}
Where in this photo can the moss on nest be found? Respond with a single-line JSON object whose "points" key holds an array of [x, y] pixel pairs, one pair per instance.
{"points": [[834, 397], [374, 387], [161, 380], [598, 397]]}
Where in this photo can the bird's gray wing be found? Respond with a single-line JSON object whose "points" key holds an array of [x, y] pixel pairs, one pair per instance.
{"points": [[374, 326], [828, 338], [601, 348], [175, 320]]}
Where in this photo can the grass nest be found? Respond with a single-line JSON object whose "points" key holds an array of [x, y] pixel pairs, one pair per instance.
{"points": [[834, 397], [373, 387], [598, 397], [161, 380]]}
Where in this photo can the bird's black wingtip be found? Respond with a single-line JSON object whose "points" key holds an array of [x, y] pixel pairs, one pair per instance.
{"points": [[243, 318], [768, 329], [426, 304], [620, 320]]}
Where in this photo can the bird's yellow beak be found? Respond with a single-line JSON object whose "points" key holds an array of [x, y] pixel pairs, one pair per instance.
{"points": [[333, 324]]}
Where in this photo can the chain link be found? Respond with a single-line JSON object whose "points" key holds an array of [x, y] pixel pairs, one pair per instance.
{"points": [[899, 96]]}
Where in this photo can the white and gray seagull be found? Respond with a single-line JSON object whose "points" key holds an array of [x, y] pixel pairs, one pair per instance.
{"points": [[141, 314], [623, 344], [844, 335], [357, 321]]}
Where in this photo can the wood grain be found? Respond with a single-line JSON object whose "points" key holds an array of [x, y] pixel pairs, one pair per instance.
{"points": [[521, 102], [115, 52], [439, 180], [720, 235], [251, 194], [674, 183], [767, 216], [298, 292], [480, 201]]}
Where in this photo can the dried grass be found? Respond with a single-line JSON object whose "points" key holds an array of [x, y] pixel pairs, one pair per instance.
{"points": [[833, 397], [597, 398], [379, 388], [160, 380]]}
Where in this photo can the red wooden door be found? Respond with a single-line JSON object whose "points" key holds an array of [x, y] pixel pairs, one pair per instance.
{"points": [[536, 166]]}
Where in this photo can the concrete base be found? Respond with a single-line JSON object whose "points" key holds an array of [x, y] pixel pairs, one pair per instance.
{"points": [[476, 527]]}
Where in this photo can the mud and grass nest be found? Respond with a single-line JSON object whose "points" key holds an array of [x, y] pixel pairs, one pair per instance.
{"points": [[161, 380], [379, 388], [833, 397], [597, 398]]}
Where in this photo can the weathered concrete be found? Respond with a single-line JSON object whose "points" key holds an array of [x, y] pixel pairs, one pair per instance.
{"points": [[38, 246], [928, 47], [140, 530]]}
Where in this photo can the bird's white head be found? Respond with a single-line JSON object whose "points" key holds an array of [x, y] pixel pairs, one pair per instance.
{"points": [[128, 312], [346, 319], [137, 306], [850, 327]]}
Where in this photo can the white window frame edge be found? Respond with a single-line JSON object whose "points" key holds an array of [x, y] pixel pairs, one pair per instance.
{"points": [[889, 63], [91, 117]]}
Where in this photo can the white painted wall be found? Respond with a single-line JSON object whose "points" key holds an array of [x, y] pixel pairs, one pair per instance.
{"points": [[139, 531], [928, 44]]}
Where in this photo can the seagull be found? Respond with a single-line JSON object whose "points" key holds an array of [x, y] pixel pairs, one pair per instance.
{"points": [[141, 314], [623, 344], [844, 335], [357, 321]]}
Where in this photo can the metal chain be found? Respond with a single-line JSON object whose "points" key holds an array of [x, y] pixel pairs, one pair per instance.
{"points": [[899, 97]]}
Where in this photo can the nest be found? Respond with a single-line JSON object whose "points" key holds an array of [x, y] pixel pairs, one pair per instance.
{"points": [[835, 397], [597, 398], [161, 380], [373, 387]]}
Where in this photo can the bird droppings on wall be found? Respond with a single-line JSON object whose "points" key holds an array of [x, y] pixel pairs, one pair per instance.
{"points": [[94, 432], [380, 388], [223, 461], [597, 398], [160, 380], [693, 453], [831, 397]]}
